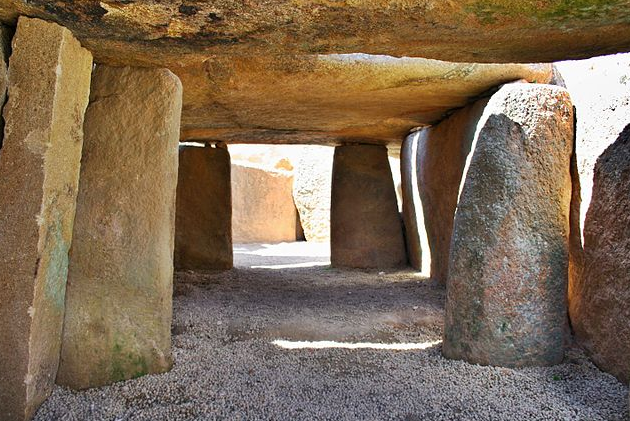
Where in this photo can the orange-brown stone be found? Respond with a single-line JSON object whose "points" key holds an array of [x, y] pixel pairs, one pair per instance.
{"points": [[203, 229], [49, 85], [118, 307], [365, 227]]}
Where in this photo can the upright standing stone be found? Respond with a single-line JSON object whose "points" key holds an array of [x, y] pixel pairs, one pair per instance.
{"points": [[118, 305], [410, 204], [262, 205], [442, 153], [365, 226], [49, 86], [601, 299], [506, 292], [203, 228]]}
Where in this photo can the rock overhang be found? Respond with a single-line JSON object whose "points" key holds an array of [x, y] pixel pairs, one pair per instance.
{"points": [[328, 99], [280, 71]]}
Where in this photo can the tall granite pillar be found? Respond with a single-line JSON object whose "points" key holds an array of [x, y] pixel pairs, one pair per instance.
{"points": [[49, 84], [365, 227], [600, 311], [118, 305], [441, 157], [203, 228], [507, 282], [410, 202]]}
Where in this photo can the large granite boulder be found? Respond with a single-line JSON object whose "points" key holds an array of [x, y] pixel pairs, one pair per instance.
{"points": [[601, 295], [507, 280]]}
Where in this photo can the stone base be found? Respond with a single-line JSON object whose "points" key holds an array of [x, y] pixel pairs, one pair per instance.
{"points": [[365, 226]]}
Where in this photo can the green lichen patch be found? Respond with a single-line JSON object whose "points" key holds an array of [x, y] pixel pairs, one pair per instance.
{"points": [[556, 11]]}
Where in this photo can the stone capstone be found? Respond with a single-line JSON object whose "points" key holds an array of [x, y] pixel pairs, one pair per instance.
{"points": [[262, 205], [507, 279], [118, 306], [441, 157], [203, 231], [160, 32], [600, 296], [366, 230], [49, 84]]}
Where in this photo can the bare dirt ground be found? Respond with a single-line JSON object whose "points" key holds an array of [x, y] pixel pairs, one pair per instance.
{"points": [[229, 364]]}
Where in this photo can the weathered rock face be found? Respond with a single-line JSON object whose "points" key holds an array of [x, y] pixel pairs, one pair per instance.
{"points": [[410, 199], [506, 290], [374, 99], [203, 231], [600, 310], [459, 30], [262, 205], [311, 191], [441, 157], [118, 304], [365, 227], [39, 173], [258, 91], [6, 34]]}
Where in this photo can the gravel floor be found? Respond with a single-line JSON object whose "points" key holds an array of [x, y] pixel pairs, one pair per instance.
{"points": [[228, 364]]}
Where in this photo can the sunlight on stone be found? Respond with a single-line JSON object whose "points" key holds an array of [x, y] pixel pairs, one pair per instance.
{"points": [[350, 345]]}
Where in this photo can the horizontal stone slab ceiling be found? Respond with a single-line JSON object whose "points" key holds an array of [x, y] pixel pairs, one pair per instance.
{"points": [[162, 32]]}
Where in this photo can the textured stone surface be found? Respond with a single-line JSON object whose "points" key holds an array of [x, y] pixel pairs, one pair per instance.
{"points": [[251, 72], [39, 174], [118, 303], [311, 191], [410, 199], [247, 95], [262, 205], [600, 309], [6, 34], [600, 90], [374, 99], [507, 281], [459, 30], [203, 231], [441, 157], [365, 227]]}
